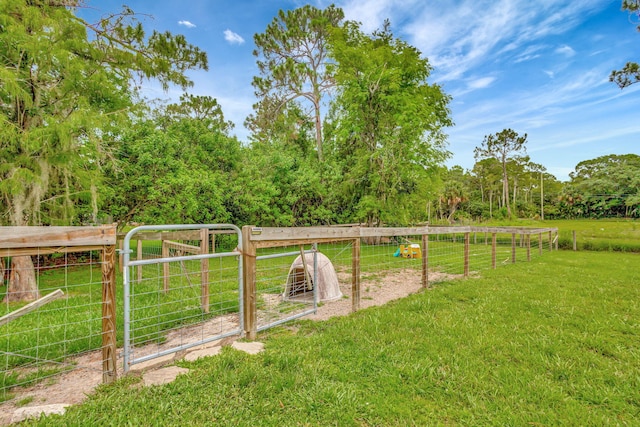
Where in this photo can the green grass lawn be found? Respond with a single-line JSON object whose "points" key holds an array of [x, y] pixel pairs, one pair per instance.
{"points": [[555, 341], [618, 235]]}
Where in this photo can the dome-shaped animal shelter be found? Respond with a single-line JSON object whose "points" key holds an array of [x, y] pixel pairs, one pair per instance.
{"points": [[299, 288]]}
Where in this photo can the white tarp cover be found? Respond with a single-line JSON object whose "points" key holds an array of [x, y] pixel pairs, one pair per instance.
{"points": [[328, 285]]}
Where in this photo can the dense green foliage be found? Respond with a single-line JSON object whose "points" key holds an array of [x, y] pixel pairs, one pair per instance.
{"points": [[175, 167], [79, 147], [551, 342], [387, 126], [630, 73], [66, 90]]}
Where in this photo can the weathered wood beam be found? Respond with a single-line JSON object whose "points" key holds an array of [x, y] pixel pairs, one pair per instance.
{"points": [[33, 237]]}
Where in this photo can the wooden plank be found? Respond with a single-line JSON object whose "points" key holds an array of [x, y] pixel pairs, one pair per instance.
{"points": [[355, 275], [282, 243], [109, 343], [183, 247], [509, 230], [513, 247], [292, 236], [46, 251], [528, 242], [204, 270], [257, 234], [249, 282], [172, 235], [448, 229], [392, 231], [32, 306], [425, 261], [33, 237]]}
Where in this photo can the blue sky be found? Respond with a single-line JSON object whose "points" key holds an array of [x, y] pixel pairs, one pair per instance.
{"points": [[538, 67]]}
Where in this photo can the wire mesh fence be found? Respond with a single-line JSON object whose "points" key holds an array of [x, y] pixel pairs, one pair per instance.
{"points": [[66, 320], [182, 289], [285, 278], [187, 289], [368, 259]]}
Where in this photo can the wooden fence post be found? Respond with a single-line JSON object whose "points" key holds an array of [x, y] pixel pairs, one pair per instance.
{"points": [[109, 371], [249, 282], [513, 247], [540, 244], [466, 254], [556, 240], [528, 242], [204, 269], [493, 250], [165, 267], [425, 261], [550, 241]]}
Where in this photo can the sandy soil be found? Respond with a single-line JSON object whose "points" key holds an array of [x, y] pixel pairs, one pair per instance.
{"points": [[73, 387]]}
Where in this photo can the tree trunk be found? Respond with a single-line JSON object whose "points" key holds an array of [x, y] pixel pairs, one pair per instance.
{"points": [[505, 193], [2, 272], [491, 204], [22, 280], [318, 123]]}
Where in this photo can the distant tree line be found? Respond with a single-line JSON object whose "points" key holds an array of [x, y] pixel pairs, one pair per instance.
{"points": [[605, 187]]}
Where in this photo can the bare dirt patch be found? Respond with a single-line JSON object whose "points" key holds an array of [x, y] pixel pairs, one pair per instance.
{"points": [[74, 386], [375, 291]]}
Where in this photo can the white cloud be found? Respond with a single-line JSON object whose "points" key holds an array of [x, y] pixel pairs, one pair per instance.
{"points": [[372, 13], [566, 50], [232, 37], [459, 36], [549, 73], [528, 54], [186, 24], [480, 83]]}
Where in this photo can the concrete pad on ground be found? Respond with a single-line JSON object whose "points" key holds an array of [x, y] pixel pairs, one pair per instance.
{"points": [[153, 363], [202, 352], [22, 414], [253, 347], [163, 375]]}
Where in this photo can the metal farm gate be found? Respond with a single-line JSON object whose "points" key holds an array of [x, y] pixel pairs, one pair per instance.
{"points": [[182, 288]]}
